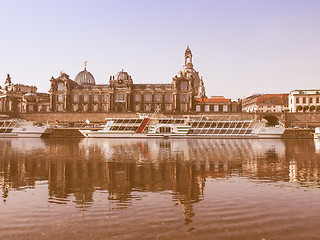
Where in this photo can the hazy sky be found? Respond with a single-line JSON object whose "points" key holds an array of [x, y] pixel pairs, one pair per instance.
{"points": [[240, 47]]}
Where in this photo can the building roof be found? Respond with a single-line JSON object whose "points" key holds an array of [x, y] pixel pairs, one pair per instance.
{"points": [[85, 78], [267, 99], [122, 75], [305, 91], [213, 100]]}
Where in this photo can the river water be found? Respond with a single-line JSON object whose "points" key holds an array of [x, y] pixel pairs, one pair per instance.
{"points": [[159, 189]]}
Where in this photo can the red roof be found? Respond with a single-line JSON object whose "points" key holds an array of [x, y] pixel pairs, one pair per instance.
{"points": [[213, 100], [268, 98]]}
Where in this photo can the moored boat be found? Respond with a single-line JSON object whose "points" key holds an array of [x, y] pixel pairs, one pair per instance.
{"points": [[185, 127], [19, 128]]}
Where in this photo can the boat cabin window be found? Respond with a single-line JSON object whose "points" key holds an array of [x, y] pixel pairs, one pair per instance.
{"points": [[164, 130]]}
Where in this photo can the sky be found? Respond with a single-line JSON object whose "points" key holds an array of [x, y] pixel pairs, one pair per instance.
{"points": [[239, 47]]}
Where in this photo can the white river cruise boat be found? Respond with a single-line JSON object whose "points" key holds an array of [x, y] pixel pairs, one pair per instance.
{"points": [[19, 128], [185, 127]]}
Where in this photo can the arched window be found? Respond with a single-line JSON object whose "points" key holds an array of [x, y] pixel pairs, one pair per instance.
{"points": [[60, 87], [188, 59], [183, 86]]}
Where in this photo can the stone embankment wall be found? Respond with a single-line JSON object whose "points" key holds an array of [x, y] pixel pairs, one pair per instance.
{"points": [[303, 120], [297, 133]]}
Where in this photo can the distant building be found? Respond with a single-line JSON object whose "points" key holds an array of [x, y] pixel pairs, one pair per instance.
{"points": [[184, 94], [304, 100], [19, 98], [266, 103], [216, 104]]}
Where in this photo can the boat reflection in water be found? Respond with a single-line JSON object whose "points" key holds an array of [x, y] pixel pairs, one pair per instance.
{"points": [[87, 171]]}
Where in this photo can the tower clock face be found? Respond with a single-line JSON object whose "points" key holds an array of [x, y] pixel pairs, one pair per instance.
{"points": [[120, 81]]}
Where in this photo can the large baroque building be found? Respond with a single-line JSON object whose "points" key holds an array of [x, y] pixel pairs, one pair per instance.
{"points": [[185, 94]]}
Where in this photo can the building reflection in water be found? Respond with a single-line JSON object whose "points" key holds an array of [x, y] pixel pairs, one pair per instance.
{"points": [[127, 168]]}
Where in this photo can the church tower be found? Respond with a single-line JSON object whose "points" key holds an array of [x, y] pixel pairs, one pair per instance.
{"points": [[188, 59]]}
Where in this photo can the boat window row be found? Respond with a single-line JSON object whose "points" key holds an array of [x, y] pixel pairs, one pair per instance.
{"points": [[219, 132], [134, 120], [6, 130], [123, 128], [171, 121], [220, 125]]}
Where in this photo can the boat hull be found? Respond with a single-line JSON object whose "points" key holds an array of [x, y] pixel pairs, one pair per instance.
{"points": [[27, 132], [93, 134]]}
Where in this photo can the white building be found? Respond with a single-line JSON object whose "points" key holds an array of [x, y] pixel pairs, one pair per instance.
{"points": [[304, 100]]}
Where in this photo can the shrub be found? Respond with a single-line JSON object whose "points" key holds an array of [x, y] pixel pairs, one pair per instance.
{"points": [[305, 108], [299, 108], [312, 108]]}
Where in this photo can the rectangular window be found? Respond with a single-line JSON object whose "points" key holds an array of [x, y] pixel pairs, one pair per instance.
{"points": [[225, 108], [158, 97], [216, 108], [317, 100], [147, 107], [59, 107], [168, 108], [105, 98], [147, 97], [168, 98], [75, 107], [137, 107], [303, 100], [120, 97], [137, 98], [60, 98], [95, 108], [76, 98], [183, 97], [207, 108], [310, 100], [95, 97], [198, 108], [183, 107], [105, 107], [86, 98], [297, 100]]}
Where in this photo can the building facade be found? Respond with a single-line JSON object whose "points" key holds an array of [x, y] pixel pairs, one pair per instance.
{"points": [[266, 103], [19, 98], [304, 100], [120, 94]]}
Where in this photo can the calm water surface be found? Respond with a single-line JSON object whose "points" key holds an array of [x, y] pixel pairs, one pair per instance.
{"points": [[159, 189]]}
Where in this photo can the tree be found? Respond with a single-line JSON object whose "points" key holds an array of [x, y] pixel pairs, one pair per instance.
{"points": [[312, 108], [305, 108], [318, 108], [299, 108]]}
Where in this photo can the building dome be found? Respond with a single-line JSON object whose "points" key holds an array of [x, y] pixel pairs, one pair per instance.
{"points": [[85, 78], [122, 76]]}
